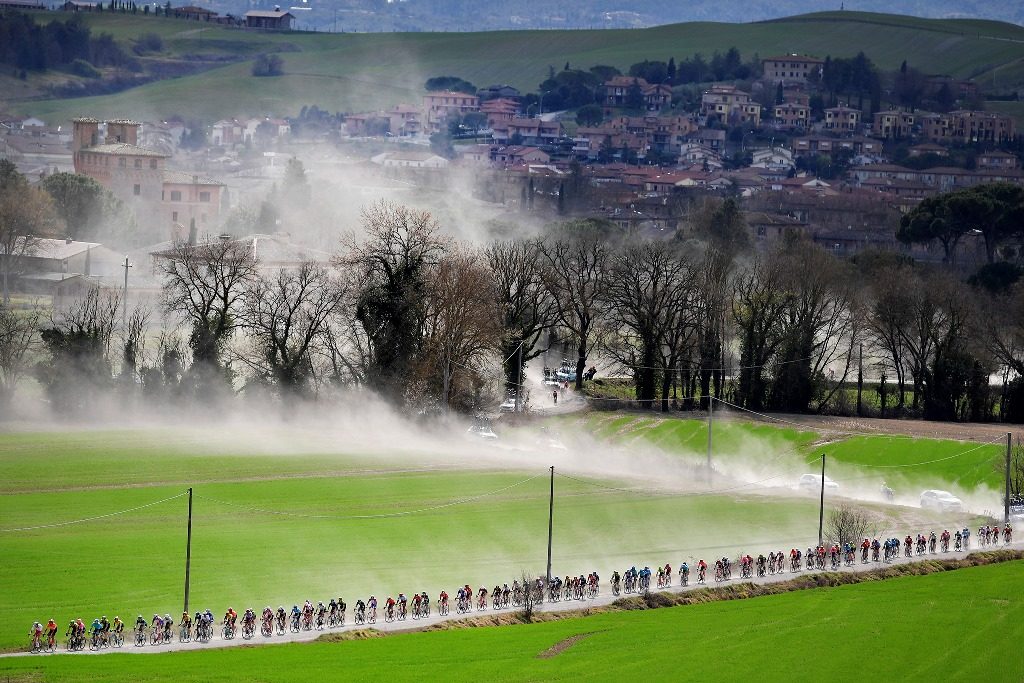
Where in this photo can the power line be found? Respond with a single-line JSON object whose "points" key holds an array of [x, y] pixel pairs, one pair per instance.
{"points": [[405, 513], [679, 494], [929, 462], [729, 369], [92, 519]]}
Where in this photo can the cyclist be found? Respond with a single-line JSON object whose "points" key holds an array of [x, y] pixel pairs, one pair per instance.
{"points": [[702, 570], [442, 601], [296, 617], [281, 616], [332, 611], [389, 607], [37, 636], [1007, 534], [249, 620], [371, 604], [51, 633], [684, 573], [360, 611], [481, 601], [320, 612], [168, 627], [341, 611], [140, 626], [967, 538], [416, 600], [402, 605]]}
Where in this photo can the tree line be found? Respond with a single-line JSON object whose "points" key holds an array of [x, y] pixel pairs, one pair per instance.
{"points": [[436, 325], [31, 46]]}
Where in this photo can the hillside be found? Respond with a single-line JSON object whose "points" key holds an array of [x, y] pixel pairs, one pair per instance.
{"points": [[351, 72], [473, 15]]}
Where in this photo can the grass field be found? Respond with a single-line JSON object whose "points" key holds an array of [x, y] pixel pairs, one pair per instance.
{"points": [[853, 458], [357, 72], [343, 528], [960, 626]]}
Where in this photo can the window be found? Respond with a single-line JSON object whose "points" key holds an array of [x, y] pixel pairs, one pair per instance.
{"points": [[138, 163], [204, 196], [152, 163], [174, 216], [175, 195], [122, 162], [137, 190]]}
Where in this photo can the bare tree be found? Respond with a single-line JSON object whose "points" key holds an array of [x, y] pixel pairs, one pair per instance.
{"points": [[575, 276], [818, 324], [205, 284], [847, 524], [758, 306], [134, 343], [641, 306], [889, 316], [18, 338], [462, 326], [26, 217], [527, 308], [287, 316], [391, 265]]}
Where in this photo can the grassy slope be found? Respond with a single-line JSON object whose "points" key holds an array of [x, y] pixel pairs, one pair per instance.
{"points": [[936, 627], [364, 71], [732, 438], [134, 562]]}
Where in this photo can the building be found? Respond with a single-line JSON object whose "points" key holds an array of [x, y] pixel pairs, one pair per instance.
{"points": [[499, 110], [652, 97], [438, 106], [792, 68], [527, 132], [186, 197], [193, 12], [114, 159], [842, 119], [404, 120], [494, 92], [893, 124], [730, 105], [998, 160], [966, 126], [139, 176], [518, 155], [272, 20], [792, 116], [410, 159]]}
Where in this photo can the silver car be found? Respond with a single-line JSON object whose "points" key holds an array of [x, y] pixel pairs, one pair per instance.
{"points": [[812, 482], [943, 501]]}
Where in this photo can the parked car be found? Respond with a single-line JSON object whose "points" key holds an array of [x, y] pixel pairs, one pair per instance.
{"points": [[812, 482], [508, 406], [943, 501]]}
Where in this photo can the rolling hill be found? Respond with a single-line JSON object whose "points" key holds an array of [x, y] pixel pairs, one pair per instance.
{"points": [[352, 72]]}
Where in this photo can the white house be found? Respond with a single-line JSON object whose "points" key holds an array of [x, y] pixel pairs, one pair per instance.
{"points": [[410, 160]]}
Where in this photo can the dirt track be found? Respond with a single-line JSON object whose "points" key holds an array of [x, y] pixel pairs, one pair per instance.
{"points": [[606, 598], [963, 431]]}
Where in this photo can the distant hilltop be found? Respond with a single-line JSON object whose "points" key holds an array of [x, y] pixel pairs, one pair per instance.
{"points": [[431, 15]]}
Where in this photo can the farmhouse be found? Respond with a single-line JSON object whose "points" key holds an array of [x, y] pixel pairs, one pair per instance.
{"points": [[274, 20]]}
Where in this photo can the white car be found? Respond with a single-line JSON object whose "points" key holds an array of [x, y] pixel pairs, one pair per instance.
{"points": [[508, 406], [482, 432], [812, 482], [943, 501]]}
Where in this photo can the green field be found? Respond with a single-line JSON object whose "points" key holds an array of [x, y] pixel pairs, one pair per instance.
{"points": [[853, 459], [331, 518], [358, 72], [963, 625]]}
